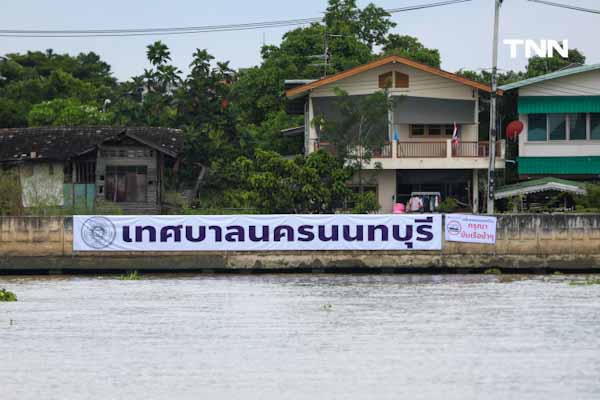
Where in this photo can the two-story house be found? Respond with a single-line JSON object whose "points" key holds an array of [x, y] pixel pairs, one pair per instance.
{"points": [[560, 113], [419, 155]]}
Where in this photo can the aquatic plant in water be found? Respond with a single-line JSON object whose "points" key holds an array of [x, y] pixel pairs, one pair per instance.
{"points": [[6, 295], [493, 271], [586, 282], [132, 276]]}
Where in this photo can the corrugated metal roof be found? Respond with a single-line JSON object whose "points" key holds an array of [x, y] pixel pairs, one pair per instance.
{"points": [[559, 165], [540, 185], [558, 104], [552, 75]]}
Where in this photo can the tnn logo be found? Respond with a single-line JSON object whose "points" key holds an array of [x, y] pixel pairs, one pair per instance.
{"points": [[546, 48]]}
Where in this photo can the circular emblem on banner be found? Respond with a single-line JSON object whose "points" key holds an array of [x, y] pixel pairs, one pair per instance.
{"points": [[98, 232], [454, 228]]}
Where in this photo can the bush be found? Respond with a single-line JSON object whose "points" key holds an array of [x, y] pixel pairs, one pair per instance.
{"points": [[448, 205], [10, 194], [5, 295], [366, 203], [590, 202]]}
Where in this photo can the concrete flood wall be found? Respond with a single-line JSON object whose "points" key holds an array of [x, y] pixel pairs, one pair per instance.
{"points": [[525, 242]]}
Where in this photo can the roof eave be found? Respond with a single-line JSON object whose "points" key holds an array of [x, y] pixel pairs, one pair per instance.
{"points": [[301, 90]]}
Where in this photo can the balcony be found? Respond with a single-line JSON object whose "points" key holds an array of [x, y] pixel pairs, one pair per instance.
{"points": [[431, 155]]}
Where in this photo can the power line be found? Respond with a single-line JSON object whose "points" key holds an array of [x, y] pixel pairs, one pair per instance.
{"points": [[568, 6], [193, 29]]}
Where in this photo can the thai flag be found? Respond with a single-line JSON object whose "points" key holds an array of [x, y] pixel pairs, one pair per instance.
{"points": [[455, 135]]}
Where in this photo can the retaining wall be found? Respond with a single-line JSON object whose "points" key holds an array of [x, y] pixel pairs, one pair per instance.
{"points": [[524, 242]]}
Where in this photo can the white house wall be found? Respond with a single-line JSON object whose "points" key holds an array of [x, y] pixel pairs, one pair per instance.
{"points": [[39, 186], [385, 180], [421, 84], [582, 84]]}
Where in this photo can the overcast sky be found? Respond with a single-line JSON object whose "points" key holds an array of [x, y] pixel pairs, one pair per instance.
{"points": [[461, 32]]}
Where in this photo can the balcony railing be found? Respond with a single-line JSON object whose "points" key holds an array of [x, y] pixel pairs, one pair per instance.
{"points": [[384, 152], [422, 149], [437, 149], [475, 149]]}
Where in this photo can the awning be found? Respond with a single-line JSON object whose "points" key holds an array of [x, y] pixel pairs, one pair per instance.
{"points": [[540, 185], [426, 110], [559, 165], [558, 104]]}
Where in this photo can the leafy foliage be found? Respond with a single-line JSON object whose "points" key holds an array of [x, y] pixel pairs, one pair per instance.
{"points": [[365, 203], [411, 47], [10, 193], [315, 184], [7, 296], [360, 130]]}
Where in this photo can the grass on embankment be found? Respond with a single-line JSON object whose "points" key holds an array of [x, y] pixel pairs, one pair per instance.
{"points": [[132, 276]]}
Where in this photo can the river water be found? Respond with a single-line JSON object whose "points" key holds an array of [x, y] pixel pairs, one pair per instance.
{"points": [[300, 337]]}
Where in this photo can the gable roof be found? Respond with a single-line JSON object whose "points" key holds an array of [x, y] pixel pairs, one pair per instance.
{"points": [[553, 75], [63, 143], [297, 91], [540, 185]]}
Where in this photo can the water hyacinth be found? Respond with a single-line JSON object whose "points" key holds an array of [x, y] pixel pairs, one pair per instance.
{"points": [[6, 295]]}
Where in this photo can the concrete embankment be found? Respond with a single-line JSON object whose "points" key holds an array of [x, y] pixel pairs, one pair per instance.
{"points": [[532, 242]]}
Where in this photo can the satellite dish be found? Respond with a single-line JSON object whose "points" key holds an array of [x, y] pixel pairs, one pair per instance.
{"points": [[514, 129]]}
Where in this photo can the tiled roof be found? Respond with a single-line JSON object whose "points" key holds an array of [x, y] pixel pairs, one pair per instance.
{"points": [[62, 143]]}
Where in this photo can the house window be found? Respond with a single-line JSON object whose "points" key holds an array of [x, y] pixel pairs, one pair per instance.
{"points": [[557, 126], [401, 80], [434, 130], [126, 183], [595, 126], [577, 126], [431, 130], [417, 130], [537, 129], [385, 80]]}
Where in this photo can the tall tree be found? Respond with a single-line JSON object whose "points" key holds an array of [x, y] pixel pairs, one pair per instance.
{"points": [[544, 65], [359, 128], [411, 47]]}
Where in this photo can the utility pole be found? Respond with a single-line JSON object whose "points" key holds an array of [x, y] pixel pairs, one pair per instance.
{"points": [[493, 114]]}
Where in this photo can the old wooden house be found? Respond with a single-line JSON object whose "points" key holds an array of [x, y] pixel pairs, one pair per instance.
{"points": [[88, 167]]}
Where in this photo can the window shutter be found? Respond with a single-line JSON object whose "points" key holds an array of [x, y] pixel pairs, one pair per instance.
{"points": [[401, 80], [385, 80]]}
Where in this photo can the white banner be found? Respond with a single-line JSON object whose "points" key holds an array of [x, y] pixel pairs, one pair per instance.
{"points": [[257, 232], [471, 229]]}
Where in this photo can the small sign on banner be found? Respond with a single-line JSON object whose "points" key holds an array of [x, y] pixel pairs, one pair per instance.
{"points": [[471, 228]]}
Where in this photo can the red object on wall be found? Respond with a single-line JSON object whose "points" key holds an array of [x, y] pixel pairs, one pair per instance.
{"points": [[514, 129]]}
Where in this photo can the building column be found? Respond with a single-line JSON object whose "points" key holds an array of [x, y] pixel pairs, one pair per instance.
{"points": [[475, 189]]}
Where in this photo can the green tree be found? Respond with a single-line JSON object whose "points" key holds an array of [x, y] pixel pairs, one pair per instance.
{"points": [[359, 129], [67, 112], [315, 184], [410, 47], [544, 65]]}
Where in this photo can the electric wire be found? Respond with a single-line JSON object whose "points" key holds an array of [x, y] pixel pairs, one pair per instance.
{"points": [[193, 29], [568, 6]]}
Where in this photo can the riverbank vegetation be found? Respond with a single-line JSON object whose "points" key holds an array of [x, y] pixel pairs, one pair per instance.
{"points": [[7, 296], [232, 119], [131, 276]]}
